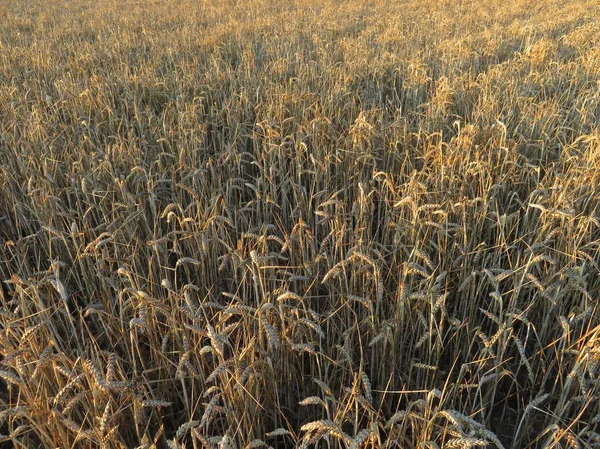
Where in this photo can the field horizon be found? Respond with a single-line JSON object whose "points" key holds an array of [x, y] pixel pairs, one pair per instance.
{"points": [[311, 224]]}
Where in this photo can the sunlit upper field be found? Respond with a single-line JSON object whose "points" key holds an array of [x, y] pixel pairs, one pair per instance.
{"points": [[329, 224]]}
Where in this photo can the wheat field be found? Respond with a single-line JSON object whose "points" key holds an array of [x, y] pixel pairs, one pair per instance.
{"points": [[311, 223]]}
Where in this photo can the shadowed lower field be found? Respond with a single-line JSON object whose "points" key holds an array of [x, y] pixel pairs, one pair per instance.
{"points": [[314, 223]]}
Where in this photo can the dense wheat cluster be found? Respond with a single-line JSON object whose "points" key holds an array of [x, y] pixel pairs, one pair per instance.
{"points": [[311, 223]]}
